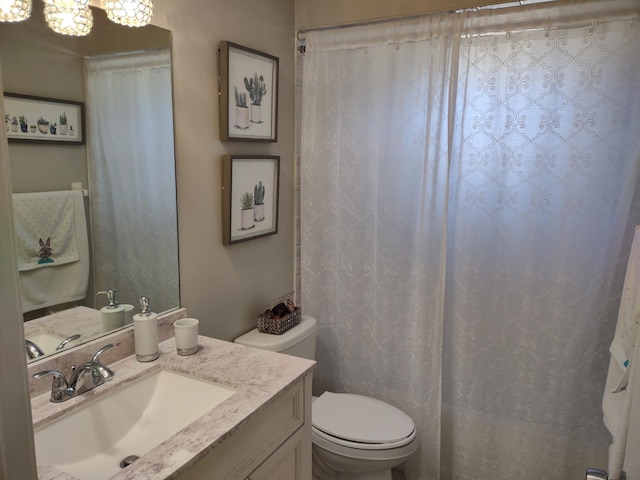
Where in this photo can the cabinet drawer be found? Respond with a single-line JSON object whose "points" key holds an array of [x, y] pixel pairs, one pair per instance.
{"points": [[286, 463], [245, 449]]}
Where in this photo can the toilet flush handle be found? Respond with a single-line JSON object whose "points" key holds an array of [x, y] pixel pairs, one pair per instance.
{"points": [[597, 474]]}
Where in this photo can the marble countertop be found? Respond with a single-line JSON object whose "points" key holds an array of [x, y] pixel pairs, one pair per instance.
{"points": [[83, 321], [257, 376]]}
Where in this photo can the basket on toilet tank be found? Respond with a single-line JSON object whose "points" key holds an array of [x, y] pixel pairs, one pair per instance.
{"points": [[279, 316]]}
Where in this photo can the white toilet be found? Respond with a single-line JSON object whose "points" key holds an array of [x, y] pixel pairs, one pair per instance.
{"points": [[354, 437]]}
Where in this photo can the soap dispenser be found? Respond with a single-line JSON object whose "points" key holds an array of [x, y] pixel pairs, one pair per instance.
{"points": [[111, 316], [145, 332]]}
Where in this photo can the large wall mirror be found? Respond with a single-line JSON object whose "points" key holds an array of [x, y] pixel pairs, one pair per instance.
{"points": [[126, 167]]}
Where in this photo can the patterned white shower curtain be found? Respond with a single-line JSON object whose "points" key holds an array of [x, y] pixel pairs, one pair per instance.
{"points": [[132, 176], [461, 240]]}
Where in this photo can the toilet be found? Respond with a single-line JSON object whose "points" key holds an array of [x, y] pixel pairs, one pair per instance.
{"points": [[353, 437]]}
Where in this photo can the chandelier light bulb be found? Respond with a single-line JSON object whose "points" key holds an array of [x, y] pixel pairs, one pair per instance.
{"points": [[69, 17], [14, 10], [132, 13]]}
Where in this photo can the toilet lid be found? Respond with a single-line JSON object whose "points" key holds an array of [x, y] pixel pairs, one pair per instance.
{"points": [[360, 419]]}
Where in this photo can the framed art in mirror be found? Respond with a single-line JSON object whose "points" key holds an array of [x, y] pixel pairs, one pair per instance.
{"points": [[250, 190], [30, 119], [248, 94]]}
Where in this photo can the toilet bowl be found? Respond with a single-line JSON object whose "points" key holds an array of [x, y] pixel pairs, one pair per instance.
{"points": [[358, 437], [354, 437]]}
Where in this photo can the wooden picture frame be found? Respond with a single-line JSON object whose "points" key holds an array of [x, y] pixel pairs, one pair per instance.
{"points": [[248, 94], [250, 193], [30, 119]]}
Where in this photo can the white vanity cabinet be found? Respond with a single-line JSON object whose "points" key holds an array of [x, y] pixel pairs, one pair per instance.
{"points": [[274, 444], [262, 431]]}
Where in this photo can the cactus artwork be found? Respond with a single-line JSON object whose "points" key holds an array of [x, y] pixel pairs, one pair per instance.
{"points": [[256, 88], [241, 98], [258, 195], [246, 213], [246, 201], [242, 112]]}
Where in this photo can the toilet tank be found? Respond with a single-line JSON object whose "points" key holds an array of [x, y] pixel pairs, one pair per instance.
{"points": [[299, 341]]}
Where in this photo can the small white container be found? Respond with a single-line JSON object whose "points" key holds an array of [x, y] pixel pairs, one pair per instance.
{"points": [[186, 335], [145, 333], [112, 316]]}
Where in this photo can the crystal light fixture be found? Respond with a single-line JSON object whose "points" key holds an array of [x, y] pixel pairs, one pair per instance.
{"points": [[132, 13], [69, 17], [74, 17], [14, 10]]}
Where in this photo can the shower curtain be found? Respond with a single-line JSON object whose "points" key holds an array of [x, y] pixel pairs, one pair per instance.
{"points": [[132, 176], [467, 184]]}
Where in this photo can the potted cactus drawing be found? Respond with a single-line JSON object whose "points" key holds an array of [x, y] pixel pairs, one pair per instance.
{"points": [[258, 206], [43, 125], [257, 89], [64, 127], [24, 124], [246, 212], [242, 111]]}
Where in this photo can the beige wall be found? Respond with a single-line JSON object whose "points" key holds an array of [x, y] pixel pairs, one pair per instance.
{"points": [[36, 61], [225, 286], [314, 13]]}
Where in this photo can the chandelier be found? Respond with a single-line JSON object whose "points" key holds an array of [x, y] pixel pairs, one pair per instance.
{"points": [[74, 17]]}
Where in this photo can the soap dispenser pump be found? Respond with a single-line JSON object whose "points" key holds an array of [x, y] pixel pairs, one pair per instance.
{"points": [[145, 332], [112, 316]]}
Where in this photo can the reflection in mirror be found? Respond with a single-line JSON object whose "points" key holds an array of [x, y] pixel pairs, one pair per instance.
{"points": [[126, 167]]}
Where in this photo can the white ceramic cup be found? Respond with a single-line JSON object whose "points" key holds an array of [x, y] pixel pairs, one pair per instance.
{"points": [[186, 334]]}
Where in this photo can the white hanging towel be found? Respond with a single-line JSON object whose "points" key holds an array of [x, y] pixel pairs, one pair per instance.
{"points": [[52, 247], [625, 356]]}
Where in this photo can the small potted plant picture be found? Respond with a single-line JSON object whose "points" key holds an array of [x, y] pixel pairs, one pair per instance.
{"points": [[242, 111], [53, 128], [64, 127], [258, 206], [24, 124], [7, 122], [43, 125], [246, 212], [33, 128], [257, 89]]}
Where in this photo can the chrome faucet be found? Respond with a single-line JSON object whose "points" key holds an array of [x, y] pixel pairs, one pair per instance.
{"points": [[33, 350], [86, 376]]}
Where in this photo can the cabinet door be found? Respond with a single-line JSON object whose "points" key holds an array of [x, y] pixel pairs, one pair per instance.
{"points": [[286, 463]]}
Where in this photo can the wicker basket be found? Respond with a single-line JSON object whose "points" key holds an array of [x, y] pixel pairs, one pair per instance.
{"points": [[277, 326]]}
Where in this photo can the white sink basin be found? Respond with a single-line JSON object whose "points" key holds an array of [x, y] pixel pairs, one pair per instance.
{"points": [[48, 342], [90, 442]]}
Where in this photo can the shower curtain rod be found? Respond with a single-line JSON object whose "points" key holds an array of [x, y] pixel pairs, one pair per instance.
{"points": [[301, 35], [575, 22]]}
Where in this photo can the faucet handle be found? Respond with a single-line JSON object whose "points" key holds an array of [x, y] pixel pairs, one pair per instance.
{"points": [[67, 340], [100, 352], [59, 386], [100, 368]]}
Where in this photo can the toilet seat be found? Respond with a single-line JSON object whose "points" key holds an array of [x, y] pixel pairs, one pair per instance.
{"points": [[360, 422]]}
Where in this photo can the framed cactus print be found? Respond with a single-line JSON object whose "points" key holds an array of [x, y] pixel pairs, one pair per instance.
{"points": [[250, 191], [30, 119], [248, 94]]}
